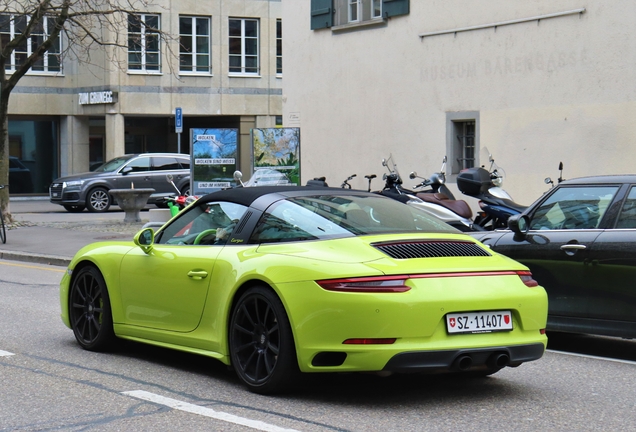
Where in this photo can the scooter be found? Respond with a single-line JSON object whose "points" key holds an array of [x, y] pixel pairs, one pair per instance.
{"points": [[175, 203], [178, 202], [495, 203], [440, 205]]}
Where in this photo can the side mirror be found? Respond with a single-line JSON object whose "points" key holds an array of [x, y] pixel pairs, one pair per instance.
{"points": [[238, 177], [127, 170], [145, 239], [413, 175], [383, 162], [519, 224]]}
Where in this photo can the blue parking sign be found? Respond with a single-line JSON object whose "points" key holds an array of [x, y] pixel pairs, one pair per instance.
{"points": [[178, 120]]}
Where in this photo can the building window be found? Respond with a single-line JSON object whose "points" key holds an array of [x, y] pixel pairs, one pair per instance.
{"points": [[334, 13], [144, 43], [279, 47], [354, 10], [194, 40], [13, 25], [465, 143], [376, 8], [244, 46], [462, 140]]}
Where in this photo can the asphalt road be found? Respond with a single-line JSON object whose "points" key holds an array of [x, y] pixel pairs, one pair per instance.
{"points": [[49, 383]]}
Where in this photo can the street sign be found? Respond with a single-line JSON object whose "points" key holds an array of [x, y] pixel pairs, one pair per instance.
{"points": [[178, 120]]}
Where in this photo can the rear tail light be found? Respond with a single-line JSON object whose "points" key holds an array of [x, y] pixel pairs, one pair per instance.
{"points": [[380, 284], [526, 278], [397, 284]]}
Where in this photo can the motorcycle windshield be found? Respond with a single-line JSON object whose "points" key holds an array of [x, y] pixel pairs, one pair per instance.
{"points": [[488, 162]]}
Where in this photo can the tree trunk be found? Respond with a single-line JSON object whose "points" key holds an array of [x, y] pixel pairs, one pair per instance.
{"points": [[4, 153]]}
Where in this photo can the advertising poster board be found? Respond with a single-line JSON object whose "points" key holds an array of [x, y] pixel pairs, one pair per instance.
{"points": [[214, 154], [276, 156]]}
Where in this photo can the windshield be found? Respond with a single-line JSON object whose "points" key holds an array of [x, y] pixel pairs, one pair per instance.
{"points": [[113, 164], [327, 216]]}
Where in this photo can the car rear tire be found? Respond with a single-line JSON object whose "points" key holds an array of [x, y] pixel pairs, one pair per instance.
{"points": [[98, 200], [261, 343], [89, 310], [74, 208]]}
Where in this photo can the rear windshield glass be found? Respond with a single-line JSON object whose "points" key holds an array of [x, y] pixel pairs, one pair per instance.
{"points": [[328, 216]]}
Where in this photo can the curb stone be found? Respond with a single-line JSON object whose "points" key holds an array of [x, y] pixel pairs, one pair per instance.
{"points": [[35, 258]]}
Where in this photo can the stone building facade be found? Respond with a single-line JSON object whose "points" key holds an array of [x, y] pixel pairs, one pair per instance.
{"points": [[533, 82], [222, 66]]}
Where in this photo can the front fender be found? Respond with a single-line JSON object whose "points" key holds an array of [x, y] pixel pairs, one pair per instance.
{"points": [[106, 257]]}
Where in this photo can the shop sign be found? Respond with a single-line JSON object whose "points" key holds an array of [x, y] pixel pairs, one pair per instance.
{"points": [[96, 98]]}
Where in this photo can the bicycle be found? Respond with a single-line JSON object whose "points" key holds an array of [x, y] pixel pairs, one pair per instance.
{"points": [[345, 184], [3, 233]]}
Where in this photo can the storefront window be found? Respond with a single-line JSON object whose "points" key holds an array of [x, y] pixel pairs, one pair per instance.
{"points": [[33, 151], [149, 135]]}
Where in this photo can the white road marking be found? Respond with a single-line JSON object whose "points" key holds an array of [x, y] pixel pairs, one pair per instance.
{"points": [[593, 357], [208, 412], [5, 353]]}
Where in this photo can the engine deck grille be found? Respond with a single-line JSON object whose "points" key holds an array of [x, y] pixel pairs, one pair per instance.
{"points": [[431, 249]]}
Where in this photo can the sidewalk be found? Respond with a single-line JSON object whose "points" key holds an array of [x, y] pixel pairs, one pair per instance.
{"points": [[45, 233]]}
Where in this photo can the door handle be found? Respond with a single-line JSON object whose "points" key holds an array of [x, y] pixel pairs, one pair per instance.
{"points": [[197, 274], [573, 247]]}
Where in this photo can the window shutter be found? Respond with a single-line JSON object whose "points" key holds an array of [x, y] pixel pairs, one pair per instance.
{"points": [[392, 8], [321, 14]]}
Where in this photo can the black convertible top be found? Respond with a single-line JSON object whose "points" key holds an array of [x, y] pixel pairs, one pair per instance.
{"points": [[603, 179], [247, 195]]}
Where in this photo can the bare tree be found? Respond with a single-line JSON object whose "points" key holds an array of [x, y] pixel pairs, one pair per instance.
{"points": [[81, 25]]}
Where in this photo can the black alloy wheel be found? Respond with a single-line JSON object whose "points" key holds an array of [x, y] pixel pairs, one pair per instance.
{"points": [[89, 310], [74, 208], [98, 200], [261, 342]]}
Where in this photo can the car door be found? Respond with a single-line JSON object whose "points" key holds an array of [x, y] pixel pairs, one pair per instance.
{"points": [[613, 257], [557, 248], [167, 288], [135, 173]]}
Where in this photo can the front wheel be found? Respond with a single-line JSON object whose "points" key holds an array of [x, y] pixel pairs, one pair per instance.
{"points": [[98, 200], [261, 342], [89, 310]]}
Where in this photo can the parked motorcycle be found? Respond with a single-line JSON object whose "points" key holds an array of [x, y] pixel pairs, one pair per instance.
{"points": [[495, 203], [437, 201]]}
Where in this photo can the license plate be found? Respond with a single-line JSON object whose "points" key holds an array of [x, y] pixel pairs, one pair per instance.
{"points": [[479, 322]]}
